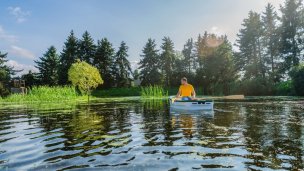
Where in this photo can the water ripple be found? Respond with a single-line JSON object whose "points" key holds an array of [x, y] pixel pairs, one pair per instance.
{"points": [[138, 135]]}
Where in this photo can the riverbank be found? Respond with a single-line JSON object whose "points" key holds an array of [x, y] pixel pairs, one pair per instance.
{"points": [[46, 94], [67, 93]]}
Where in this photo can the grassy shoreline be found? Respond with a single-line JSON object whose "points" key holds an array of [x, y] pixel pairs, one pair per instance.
{"points": [[67, 93], [45, 94]]}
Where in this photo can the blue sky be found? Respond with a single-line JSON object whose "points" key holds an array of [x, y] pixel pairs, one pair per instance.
{"points": [[28, 28]]}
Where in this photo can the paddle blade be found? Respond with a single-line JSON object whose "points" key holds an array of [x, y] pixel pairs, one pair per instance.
{"points": [[234, 97]]}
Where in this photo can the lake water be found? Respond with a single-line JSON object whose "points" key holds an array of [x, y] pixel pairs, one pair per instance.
{"points": [[133, 134]]}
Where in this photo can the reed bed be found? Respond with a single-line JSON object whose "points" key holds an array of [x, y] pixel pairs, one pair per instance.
{"points": [[45, 94], [153, 91]]}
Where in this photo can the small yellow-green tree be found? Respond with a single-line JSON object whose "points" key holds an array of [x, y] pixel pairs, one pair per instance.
{"points": [[84, 76]]}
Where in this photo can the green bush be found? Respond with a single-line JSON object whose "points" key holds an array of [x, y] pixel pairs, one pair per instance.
{"points": [[3, 91], [84, 76], [255, 87], [297, 76], [284, 88]]}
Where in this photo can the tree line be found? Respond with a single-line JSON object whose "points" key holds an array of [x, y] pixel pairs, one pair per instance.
{"points": [[267, 59], [113, 65], [270, 49]]}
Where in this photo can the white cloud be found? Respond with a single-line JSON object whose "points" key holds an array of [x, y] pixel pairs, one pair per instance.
{"points": [[17, 66], [7, 37], [21, 52], [134, 64], [19, 14], [216, 30]]}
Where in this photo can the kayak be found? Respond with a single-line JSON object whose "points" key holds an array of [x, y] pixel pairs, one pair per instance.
{"points": [[206, 113], [191, 104]]}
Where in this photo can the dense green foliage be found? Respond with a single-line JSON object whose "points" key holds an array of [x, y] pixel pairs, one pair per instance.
{"points": [[84, 76], [122, 68], [48, 66], [104, 61], [3, 90], [149, 65], [285, 88], [5, 75], [215, 63], [86, 48], [269, 46], [68, 57], [292, 38], [31, 79], [167, 61], [297, 75]]}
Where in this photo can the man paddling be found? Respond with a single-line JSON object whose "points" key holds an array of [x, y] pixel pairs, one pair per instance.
{"points": [[186, 91]]}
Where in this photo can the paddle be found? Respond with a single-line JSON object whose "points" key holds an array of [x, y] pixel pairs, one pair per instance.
{"points": [[231, 97]]}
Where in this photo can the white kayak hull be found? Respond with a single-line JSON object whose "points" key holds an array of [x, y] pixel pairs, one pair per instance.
{"points": [[191, 105]]}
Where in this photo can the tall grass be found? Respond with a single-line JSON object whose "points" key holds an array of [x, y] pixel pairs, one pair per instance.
{"points": [[45, 93], [153, 91]]}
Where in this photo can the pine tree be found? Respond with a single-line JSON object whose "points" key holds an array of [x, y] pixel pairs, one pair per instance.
{"points": [[167, 60], [5, 75], [87, 48], [123, 66], [202, 49], [216, 66], [291, 33], [189, 55], [226, 72], [48, 66], [271, 39], [4, 70], [104, 61], [31, 79], [149, 65], [68, 57], [249, 43], [180, 69], [136, 74]]}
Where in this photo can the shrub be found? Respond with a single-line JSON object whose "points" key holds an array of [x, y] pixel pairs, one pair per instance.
{"points": [[284, 88], [84, 76], [3, 91], [297, 76], [256, 87]]}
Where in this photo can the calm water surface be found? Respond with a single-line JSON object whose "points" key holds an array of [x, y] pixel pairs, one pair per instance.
{"points": [[256, 134]]}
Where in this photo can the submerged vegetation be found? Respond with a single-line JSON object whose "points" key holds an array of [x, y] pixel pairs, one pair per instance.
{"points": [[153, 91]]}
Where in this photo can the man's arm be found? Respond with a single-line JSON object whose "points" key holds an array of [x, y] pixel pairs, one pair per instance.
{"points": [[193, 93], [178, 94]]}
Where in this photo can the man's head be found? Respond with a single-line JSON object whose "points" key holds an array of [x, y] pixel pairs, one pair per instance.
{"points": [[184, 81]]}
